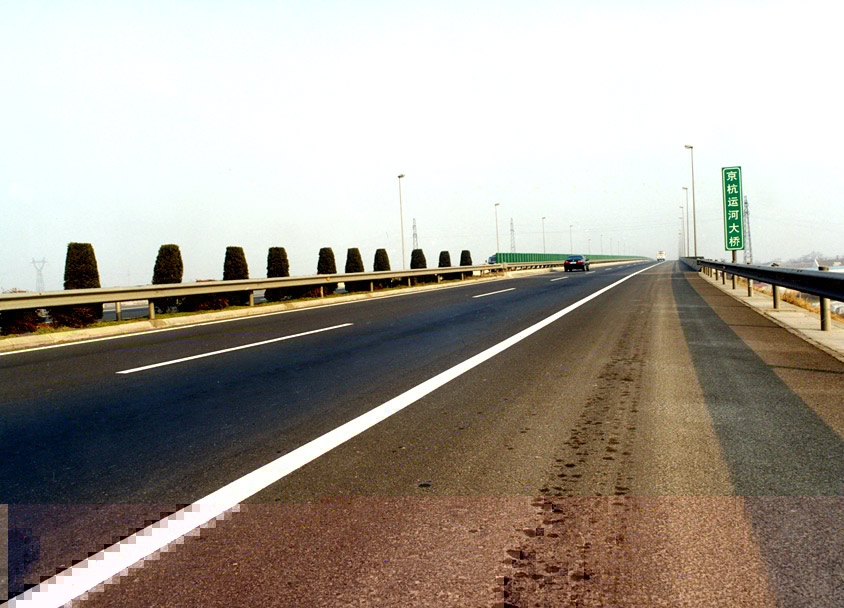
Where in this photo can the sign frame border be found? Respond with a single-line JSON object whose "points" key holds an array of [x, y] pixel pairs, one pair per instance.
{"points": [[741, 196]]}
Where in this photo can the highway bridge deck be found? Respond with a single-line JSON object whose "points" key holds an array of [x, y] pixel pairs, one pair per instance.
{"points": [[658, 444]]}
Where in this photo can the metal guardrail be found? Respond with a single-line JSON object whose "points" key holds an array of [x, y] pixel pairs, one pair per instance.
{"points": [[691, 262], [826, 285], [103, 295]]}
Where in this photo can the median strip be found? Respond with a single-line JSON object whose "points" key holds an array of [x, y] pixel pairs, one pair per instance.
{"points": [[234, 348], [130, 552], [492, 293]]}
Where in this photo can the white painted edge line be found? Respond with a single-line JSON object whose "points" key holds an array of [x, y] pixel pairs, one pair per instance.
{"points": [[559, 279], [232, 349], [492, 293], [111, 562]]}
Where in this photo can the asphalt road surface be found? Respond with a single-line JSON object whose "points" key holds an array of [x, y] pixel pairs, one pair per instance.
{"points": [[660, 445]]}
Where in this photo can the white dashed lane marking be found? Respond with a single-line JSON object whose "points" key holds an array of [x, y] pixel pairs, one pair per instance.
{"points": [[234, 348], [492, 293]]}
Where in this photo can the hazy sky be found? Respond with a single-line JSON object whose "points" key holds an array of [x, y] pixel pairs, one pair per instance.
{"points": [[207, 124]]}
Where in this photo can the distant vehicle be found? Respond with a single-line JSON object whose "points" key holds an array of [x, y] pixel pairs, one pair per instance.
{"points": [[660, 256], [576, 262], [491, 260]]}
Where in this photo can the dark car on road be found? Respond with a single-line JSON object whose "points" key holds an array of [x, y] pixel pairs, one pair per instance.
{"points": [[576, 262]]}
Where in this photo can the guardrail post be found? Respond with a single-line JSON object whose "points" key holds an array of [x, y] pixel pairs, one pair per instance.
{"points": [[749, 288], [723, 278], [826, 314], [733, 276], [151, 310], [251, 298], [776, 290], [118, 311], [321, 291], [372, 286]]}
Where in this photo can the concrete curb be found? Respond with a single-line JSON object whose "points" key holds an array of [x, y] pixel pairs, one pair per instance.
{"points": [[794, 319]]}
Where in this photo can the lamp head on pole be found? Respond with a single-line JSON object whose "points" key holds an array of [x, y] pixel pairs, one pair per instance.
{"points": [[401, 175], [689, 147]]}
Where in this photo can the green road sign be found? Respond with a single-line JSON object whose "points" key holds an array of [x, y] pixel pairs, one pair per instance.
{"points": [[733, 210]]}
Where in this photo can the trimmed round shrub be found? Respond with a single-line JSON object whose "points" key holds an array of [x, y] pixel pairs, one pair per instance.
{"points": [[19, 321], [168, 265], [382, 263], [234, 266], [234, 269], [354, 263], [326, 265], [445, 262], [465, 260], [80, 272], [382, 260], [168, 269], [417, 260], [277, 266]]}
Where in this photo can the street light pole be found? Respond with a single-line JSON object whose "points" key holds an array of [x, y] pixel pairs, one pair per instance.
{"points": [[687, 219], [543, 234], [497, 245], [401, 219], [683, 229], [694, 213]]}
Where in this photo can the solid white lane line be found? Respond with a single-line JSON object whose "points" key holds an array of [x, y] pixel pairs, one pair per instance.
{"points": [[492, 293], [559, 279], [113, 561], [234, 348]]}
